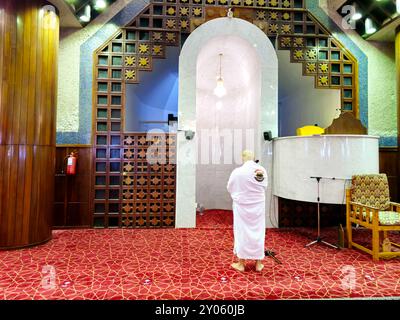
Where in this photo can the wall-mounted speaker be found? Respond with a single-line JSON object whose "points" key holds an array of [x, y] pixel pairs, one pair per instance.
{"points": [[267, 135]]}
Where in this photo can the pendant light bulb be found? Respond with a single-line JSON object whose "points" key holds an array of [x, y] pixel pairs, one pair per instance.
{"points": [[220, 90]]}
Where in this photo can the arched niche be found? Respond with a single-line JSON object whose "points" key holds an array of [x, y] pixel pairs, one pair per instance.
{"points": [[189, 94]]}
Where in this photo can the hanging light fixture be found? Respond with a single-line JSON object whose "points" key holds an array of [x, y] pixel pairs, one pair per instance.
{"points": [[369, 26], [220, 90]]}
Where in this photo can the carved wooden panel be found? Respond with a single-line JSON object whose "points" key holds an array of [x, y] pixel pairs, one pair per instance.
{"points": [[346, 123], [149, 180], [139, 189]]}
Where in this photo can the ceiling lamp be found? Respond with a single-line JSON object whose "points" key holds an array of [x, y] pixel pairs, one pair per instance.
{"points": [[220, 90], [100, 4], [357, 14], [86, 17], [369, 26]]}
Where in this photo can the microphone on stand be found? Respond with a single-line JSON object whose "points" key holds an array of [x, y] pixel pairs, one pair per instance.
{"points": [[269, 253]]}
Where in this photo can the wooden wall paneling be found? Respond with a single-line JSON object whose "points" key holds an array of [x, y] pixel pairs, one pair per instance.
{"points": [[388, 163], [60, 199], [59, 215], [304, 214], [34, 80], [2, 43], [397, 54], [72, 198], [28, 60], [79, 186], [78, 215]]}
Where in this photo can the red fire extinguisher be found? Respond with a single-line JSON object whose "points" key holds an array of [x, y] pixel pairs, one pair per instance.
{"points": [[71, 164]]}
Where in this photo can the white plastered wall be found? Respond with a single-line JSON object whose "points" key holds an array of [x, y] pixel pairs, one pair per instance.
{"points": [[225, 125]]}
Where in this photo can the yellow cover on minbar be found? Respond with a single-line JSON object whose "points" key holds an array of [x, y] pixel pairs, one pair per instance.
{"points": [[309, 131]]}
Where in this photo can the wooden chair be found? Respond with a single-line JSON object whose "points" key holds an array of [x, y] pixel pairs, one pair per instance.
{"points": [[368, 205]]}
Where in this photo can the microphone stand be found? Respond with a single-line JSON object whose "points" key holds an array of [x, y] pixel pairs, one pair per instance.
{"points": [[319, 239], [269, 253]]}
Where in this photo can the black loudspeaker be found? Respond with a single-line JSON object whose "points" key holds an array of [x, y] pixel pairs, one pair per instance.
{"points": [[171, 119], [267, 135]]}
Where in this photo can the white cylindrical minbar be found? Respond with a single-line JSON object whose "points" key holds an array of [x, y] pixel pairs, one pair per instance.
{"points": [[335, 158]]}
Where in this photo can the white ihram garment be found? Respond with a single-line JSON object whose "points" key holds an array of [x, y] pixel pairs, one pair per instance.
{"points": [[248, 197]]}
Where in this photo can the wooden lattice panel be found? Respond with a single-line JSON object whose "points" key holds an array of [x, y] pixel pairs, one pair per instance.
{"points": [[126, 190], [326, 59], [149, 174], [143, 193]]}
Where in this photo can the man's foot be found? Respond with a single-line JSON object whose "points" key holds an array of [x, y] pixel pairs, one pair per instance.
{"points": [[238, 266], [259, 266]]}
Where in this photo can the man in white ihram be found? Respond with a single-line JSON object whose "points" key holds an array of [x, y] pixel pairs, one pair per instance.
{"points": [[247, 186]]}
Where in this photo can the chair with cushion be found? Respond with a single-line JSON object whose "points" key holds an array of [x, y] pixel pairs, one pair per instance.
{"points": [[368, 205]]}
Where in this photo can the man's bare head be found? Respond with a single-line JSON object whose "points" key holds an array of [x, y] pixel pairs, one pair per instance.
{"points": [[247, 155]]}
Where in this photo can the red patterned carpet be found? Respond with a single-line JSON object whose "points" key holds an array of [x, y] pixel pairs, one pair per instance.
{"points": [[189, 264]]}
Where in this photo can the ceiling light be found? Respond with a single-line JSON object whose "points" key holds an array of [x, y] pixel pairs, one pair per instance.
{"points": [[86, 17], [220, 90], [357, 14], [369, 26], [100, 4]]}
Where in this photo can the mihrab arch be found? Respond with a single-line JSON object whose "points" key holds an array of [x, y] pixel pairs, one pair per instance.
{"points": [[128, 192]]}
